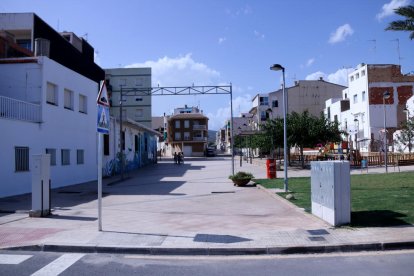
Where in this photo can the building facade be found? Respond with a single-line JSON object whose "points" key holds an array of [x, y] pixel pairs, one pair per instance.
{"points": [[48, 90], [307, 95], [364, 120], [134, 84], [138, 146], [187, 132]]}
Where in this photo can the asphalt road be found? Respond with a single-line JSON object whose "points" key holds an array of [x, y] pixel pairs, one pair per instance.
{"points": [[48, 263]]}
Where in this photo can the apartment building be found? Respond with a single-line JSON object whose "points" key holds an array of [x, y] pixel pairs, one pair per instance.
{"points": [[307, 95], [187, 132], [48, 90], [134, 84], [361, 109]]}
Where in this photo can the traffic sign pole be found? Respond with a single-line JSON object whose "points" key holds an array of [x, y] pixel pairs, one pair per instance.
{"points": [[100, 181]]}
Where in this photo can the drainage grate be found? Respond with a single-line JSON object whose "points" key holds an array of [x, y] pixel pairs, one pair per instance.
{"points": [[316, 238], [224, 192]]}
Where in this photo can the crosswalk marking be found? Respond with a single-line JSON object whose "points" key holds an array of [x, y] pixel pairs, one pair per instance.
{"points": [[59, 265], [13, 259]]}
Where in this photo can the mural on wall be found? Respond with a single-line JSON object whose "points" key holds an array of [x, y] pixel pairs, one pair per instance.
{"points": [[145, 154]]}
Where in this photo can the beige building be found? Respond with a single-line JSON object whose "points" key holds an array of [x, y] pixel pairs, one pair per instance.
{"points": [[304, 95], [132, 82], [187, 132]]}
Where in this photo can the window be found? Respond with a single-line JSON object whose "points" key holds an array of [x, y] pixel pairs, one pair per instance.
{"points": [[68, 100], [177, 136], [352, 78], [139, 99], [79, 157], [177, 124], [336, 118], [263, 115], [362, 73], [21, 159], [363, 96], [65, 157], [51, 94], [186, 124], [275, 103], [83, 104], [139, 113], [186, 136], [355, 98], [52, 153], [106, 144], [357, 76], [346, 96], [139, 82], [264, 101]]}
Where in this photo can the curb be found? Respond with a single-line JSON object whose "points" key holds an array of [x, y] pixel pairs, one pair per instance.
{"points": [[181, 251]]}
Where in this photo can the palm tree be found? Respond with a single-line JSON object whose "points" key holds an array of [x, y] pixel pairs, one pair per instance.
{"points": [[403, 25]]}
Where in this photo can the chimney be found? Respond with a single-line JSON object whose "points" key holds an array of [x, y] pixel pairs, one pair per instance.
{"points": [[321, 78]]}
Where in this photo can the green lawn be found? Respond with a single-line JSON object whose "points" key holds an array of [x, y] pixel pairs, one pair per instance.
{"points": [[376, 199]]}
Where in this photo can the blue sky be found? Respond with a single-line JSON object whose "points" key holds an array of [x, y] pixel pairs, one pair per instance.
{"points": [[217, 42]]}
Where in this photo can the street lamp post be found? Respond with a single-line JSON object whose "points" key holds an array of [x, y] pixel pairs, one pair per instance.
{"points": [[278, 67], [385, 96], [405, 110]]}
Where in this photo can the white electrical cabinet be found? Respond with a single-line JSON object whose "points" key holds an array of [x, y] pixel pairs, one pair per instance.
{"points": [[331, 191], [40, 185]]}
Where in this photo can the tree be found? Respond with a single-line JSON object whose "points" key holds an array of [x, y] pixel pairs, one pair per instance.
{"points": [[305, 130], [406, 136], [403, 25]]}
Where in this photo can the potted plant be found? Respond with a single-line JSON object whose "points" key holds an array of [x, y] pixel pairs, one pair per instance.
{"points": [[241, 178]]}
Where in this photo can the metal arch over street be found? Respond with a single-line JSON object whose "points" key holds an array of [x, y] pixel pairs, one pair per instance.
{"points": [[179, 91], [183, 90]]}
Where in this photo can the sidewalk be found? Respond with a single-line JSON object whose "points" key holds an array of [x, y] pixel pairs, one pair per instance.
{"points": [[185, 209]]}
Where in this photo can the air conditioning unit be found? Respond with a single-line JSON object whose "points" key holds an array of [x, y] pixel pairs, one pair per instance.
{"points": [[42, 47]]}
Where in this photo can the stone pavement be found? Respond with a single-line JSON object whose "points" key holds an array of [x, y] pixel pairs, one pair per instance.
{"points": [[185, 209]]}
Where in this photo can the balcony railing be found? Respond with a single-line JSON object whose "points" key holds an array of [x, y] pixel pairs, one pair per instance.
{"points": [[199, 127], [200, 139], [19, 110]]}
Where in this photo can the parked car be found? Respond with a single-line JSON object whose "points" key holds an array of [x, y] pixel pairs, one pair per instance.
{"points": [[210, 152]]}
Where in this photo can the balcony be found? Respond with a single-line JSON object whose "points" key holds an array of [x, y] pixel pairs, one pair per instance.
{"points": [[199, 127], [200, 139], [19, 110]]}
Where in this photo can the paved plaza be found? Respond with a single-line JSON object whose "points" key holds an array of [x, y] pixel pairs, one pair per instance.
{"points": [[191, 208]]}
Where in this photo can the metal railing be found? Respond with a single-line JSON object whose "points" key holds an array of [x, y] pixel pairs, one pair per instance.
{"points": [[19, 110], [199, 127], [199, 138]]}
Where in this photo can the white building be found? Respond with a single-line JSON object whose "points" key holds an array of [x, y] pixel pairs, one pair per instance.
{"points": [[139, 146], [48, 89], [46, 108], [365, 117]]}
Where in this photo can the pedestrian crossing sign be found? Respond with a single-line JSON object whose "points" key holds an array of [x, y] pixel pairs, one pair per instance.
{"points": [[103, 119]]}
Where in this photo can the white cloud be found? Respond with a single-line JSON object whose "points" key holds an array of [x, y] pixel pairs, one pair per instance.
{"points": [[179, 71], [221, 40], [241, 104], [338, 77], [341, 33], [388, 9], [259, 35], [310, 62]]}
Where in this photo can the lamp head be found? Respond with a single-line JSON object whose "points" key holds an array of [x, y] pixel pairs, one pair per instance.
{"points": [[386, 95], [405, 110], [277, 67]]}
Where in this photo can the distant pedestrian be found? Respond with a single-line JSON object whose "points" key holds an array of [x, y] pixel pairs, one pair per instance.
{"points": [[175, 158], [179, 158], [182, 157]]}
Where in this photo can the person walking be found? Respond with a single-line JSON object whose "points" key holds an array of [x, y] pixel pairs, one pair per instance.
{"points": [[175, 158]]}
